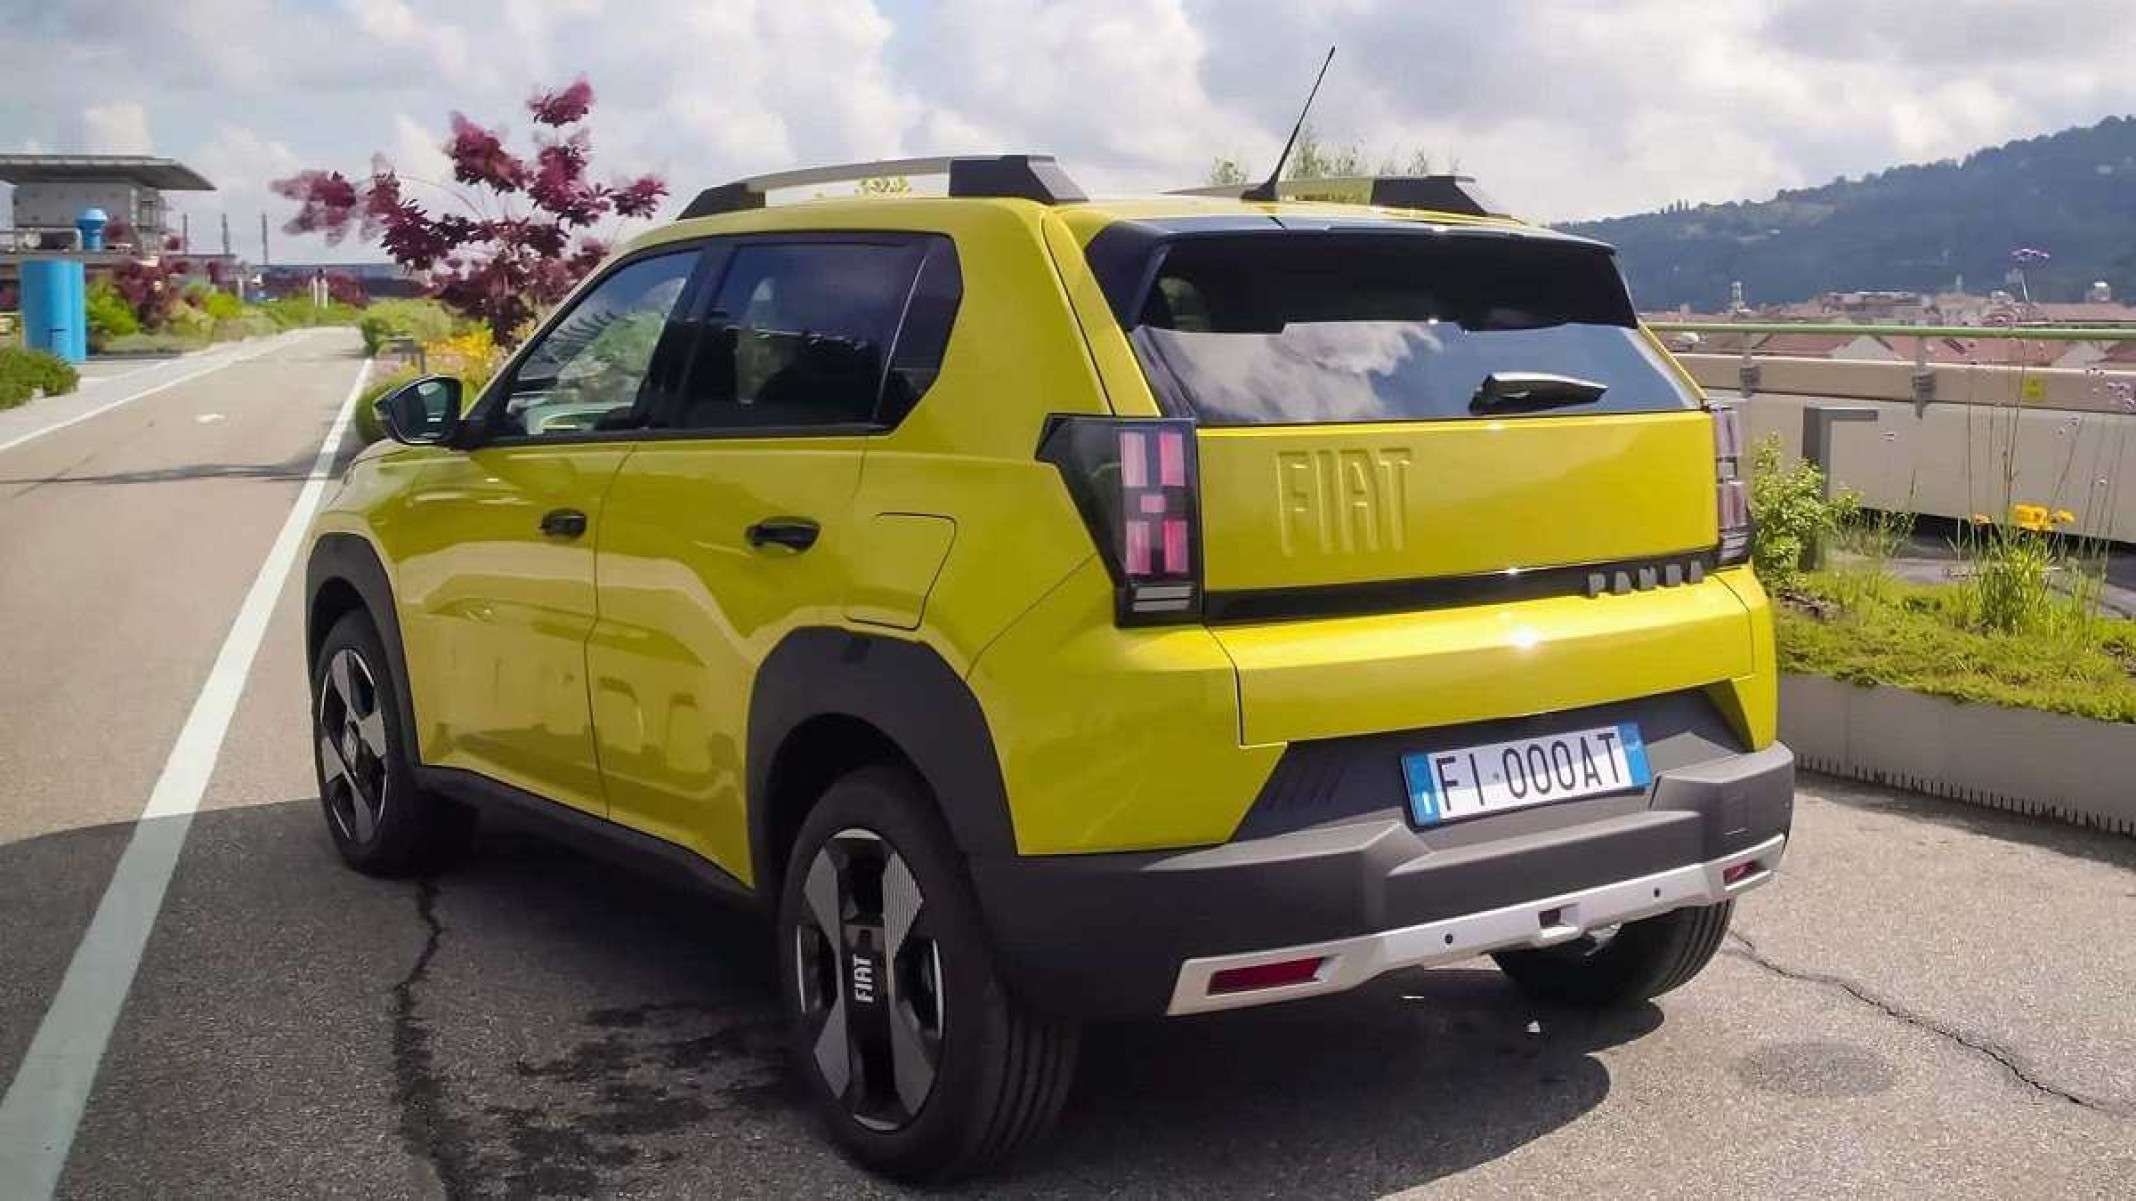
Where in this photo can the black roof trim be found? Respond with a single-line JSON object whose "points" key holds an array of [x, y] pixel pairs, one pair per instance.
{"points": [[1455, 194], [1023, 176]]}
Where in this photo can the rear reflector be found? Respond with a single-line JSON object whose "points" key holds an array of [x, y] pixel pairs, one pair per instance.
{"points": [[1730, 875], [1265, 975]]}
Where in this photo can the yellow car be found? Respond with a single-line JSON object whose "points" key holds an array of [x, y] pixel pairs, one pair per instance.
{"points": [[1053, 610]]}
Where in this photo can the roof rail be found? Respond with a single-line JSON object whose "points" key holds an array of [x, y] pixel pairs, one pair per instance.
{"points": [[1029, 176], [1437, 193]]}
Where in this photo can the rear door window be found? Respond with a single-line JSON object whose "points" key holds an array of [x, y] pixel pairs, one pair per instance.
{"points": [[807, 334], [1327, 328]]}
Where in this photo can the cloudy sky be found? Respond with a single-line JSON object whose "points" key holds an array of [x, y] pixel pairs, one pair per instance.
{"points": [[1562, 109]]}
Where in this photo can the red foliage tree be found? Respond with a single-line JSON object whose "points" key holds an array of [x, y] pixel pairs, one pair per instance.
{"points": [[151, 290], [523, 240], [343, 288]]}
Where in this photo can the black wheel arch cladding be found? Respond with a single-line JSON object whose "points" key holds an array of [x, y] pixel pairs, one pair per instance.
{"points": [[903, 689], [342, 560], [906, 691]]}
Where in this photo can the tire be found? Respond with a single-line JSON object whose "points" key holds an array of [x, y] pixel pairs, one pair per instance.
{"points": [[380, 821], [920, 1063], [1639, 962]]}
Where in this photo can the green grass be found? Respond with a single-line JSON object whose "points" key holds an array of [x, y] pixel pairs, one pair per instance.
{"points": [[27, 373], [1924, 637]]}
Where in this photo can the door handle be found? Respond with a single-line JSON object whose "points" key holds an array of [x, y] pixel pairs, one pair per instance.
{"points": [[563, 523], [794, 533]]}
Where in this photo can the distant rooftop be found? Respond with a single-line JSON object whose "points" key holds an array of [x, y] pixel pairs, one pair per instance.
{"points": [[165, 174]]}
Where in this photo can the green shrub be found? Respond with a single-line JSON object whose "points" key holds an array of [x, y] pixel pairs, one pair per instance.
{"points": [[109, 315], [2010, 590], [24, 373], [368, 427], [1928, 637], [298, 312], [188, 322], [423, 320], [1790, 512], [219, 304], [165, 343]]}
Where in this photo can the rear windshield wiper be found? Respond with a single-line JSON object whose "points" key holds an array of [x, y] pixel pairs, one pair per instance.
{"points": [[1526, 391]]}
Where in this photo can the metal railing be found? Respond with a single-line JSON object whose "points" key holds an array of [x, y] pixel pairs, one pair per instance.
{"points": [[1910, 436], [46, 239], [2043, 333], [1750, 371]]}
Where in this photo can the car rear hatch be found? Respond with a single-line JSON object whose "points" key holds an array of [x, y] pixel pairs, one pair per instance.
{"points": [[1443, 476]]}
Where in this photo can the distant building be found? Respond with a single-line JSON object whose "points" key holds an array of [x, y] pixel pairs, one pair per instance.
{"points": [[1873, 307], [1994, 352], [378, 280], [2104, 313], [51, 190]]}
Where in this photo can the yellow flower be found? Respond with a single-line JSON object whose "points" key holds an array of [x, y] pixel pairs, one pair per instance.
{"points": [[2064, 517], [1982, 519], [2029, 517]]}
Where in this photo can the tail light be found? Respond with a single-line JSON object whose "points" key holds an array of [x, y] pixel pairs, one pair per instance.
{"points": [[1134, 482], [1732, 490]]}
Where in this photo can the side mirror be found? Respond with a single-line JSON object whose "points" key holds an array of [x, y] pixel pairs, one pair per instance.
{"points": [[421, 411]]}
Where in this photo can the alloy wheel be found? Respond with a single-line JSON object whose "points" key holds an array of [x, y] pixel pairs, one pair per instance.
{"points": [[869, 977], [352, 746]]}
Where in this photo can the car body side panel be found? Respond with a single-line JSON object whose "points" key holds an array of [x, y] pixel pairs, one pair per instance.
{"points": [[1752, 700], [689, 610], [1116, 739], [495, 614], [1126, 392], [968, 451]]}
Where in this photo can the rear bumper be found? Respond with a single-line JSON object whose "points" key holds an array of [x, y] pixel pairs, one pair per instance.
{"points": [[1121, 935]]}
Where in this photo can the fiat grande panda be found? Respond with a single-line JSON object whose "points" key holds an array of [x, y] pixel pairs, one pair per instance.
{"points": [[1053, 610]]}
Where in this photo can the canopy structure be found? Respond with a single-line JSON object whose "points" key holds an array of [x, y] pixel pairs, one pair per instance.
{"points": [[162, 174]]}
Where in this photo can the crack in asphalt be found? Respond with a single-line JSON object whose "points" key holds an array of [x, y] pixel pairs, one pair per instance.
{"points": [[427, 1129], [2001, 1056]]}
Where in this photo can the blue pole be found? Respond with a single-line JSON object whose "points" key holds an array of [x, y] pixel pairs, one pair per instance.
{"points": [[77, 312], [44, 306]]}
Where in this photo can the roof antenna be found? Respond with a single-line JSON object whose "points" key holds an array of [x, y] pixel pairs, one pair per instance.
{"points": [[1267, 189]]}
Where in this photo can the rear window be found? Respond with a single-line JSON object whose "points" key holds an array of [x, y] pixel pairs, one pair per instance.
{"points": [[1294, 328]]}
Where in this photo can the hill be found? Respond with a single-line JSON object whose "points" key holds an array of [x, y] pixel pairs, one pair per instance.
{"points": [[1912, 228]]}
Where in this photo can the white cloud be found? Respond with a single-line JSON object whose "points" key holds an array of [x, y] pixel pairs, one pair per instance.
{"points": [[120, 127], [241, 162], [418, 153], [1563, 108]]}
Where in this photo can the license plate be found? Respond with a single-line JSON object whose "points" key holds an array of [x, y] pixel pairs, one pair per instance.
{"points": [[1463, 782]]}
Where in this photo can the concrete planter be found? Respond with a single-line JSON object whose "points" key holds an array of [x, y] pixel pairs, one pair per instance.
{"points": [[2044, 764]]}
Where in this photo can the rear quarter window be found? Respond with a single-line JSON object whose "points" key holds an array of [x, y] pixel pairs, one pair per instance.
{"points": [[1292, 328]]}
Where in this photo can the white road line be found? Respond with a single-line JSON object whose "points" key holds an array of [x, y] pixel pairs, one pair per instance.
{"points": [[107, 406], [44, 1104], [91, 381]]}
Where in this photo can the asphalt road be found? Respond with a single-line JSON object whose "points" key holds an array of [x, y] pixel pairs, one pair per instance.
{"points": [[1931, 999]]}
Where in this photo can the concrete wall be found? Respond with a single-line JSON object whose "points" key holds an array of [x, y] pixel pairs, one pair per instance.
{"points": [[2043, 764], [2070, 445]]}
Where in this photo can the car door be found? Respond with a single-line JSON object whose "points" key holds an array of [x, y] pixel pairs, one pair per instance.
{"points": [[498, 606], [733, 524]]}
